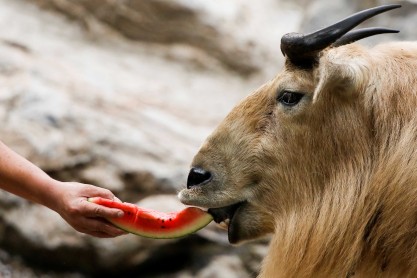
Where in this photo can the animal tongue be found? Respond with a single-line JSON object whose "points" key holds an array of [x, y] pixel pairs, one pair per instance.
{"points": [[221, 214]]}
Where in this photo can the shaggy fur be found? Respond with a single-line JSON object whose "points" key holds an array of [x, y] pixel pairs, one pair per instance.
{"points": [[334, 178], [364, 221]]}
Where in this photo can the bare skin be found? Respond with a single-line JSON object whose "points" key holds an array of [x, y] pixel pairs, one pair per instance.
{"points": [[68, 199]]}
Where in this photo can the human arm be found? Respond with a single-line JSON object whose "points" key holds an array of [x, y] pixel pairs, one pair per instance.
{"points": [[69, 199]]}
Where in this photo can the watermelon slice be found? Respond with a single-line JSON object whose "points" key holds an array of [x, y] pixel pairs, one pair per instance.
{"points": [[155, 224]]}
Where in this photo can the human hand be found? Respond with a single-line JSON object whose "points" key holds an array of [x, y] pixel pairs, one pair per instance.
{"points": [[86, 217]]}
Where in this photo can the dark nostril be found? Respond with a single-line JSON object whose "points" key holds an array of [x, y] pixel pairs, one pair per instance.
{"points": [[197, 176]]}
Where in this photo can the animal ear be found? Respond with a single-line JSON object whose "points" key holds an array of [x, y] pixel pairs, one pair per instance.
{"points": [[302, 50], [341, 71]]}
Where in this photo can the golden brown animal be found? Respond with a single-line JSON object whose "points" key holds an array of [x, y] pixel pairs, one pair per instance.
{"points": [[324, 156]]}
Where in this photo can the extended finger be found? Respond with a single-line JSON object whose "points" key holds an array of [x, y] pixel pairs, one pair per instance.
{"points": [[109, 230], [102, 228], [100, 235]]}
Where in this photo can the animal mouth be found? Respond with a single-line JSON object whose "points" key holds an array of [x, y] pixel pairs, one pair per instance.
{"points": [[224, 215]]}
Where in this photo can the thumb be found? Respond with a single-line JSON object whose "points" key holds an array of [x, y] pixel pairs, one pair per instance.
{"points": [[95, 210], [94, 191], [117, 199]]}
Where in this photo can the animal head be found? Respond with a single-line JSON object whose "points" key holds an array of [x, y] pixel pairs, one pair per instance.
{"points": [[282, 147]]}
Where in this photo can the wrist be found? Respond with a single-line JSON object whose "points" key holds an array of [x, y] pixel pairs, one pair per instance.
{"points": [[49, 192]]}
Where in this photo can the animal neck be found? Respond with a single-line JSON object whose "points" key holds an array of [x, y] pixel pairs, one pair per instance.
{"points": [[364, 223]]}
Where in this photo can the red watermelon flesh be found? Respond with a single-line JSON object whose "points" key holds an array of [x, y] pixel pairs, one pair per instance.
{"points": [[156, 224]]}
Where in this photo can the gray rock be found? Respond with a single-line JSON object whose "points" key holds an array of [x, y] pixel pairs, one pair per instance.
{"points": [[400, 19]]}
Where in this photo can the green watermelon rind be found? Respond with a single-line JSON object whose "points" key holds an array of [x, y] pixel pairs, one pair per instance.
{"points": [[195, 226]]}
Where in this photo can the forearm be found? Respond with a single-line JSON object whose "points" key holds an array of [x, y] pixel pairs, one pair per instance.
{"points": [[69, 199], [23, 178]]}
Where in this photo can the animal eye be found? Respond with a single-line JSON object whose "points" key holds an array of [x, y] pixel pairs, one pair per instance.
{"points": [[288, 98]]}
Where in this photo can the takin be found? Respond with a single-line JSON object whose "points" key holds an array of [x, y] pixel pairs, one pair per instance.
{"points": [[323, 157]]}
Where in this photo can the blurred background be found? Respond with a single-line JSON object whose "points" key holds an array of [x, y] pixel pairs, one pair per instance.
{"points": [[120, 94]]}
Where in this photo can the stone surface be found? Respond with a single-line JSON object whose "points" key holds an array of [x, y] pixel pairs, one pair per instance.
{"points": [[400, 19]]}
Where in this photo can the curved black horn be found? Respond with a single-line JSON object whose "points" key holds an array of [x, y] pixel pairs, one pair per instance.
{"points": [[356, 35], [302, 49]]}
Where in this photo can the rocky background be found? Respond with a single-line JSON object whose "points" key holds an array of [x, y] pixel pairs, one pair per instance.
{"points": [[120, 94]]}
